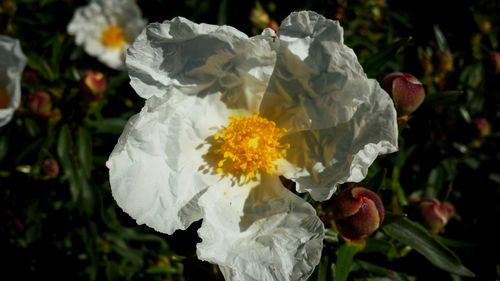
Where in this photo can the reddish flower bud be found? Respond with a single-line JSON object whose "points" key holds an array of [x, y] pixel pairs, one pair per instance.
{"points": [[406, 91], [483, 127], [357, 212], [50, 168], [273, 25], [40, 104], [4, 99], [495, 61], [93, 84], [485, 26], [443, 61], [436, 214]]}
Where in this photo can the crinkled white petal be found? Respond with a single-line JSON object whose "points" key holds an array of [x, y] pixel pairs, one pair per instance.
{"points": [[201, 59], [12, 64], [89, 22], [317, 81], [158, 168], [339, 120], [322, 159], [259, 232]]}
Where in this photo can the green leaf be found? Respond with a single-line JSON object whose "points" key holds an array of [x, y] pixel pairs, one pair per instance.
{"points": [[64, 146], [110, 125], [163, 270], [447, 98], [3, 146], [41, 66], [323, 269], [374, 65], [81, 191], [84, 148], [454, 243], [58, 47], [345, 255], [382, 271], [32, 127], [440, 39], [417, 237]]}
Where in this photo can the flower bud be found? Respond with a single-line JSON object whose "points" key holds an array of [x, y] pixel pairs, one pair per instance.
{"points": [[485, 26], [406, 91], [357, 213], [436, 214], [495, 61], [483, 127], [4, 99], [273, 25], [443, 61], [259, 17], [50, 168], [93, 84], [40, 104]]}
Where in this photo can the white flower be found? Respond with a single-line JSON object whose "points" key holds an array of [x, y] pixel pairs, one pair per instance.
{"points": [[11, 68], [225, 115], [105, 28]]}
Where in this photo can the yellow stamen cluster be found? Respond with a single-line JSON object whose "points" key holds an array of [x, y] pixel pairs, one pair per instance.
{"points": [[4, 99], [250, 144], [113, 37]]}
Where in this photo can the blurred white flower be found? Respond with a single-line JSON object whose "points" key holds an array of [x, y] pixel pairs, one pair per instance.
{"points": [[12, 64], [105, 29], [225, 116]]}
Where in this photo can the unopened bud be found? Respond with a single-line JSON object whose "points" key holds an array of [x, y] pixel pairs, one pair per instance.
{"points": [[259, 17], [444, 61], [50, 168], [4, 99], [406, 91], [357, 213], [273, 25], [436, 214], [485, 26], [495, 61], [93, 84], [40, 104], [483, 127]]}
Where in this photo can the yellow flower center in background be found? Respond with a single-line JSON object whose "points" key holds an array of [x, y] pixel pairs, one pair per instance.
{"points": [[113, 36], [4, 99], [250, 144]]}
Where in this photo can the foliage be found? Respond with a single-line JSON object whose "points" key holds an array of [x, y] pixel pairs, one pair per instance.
{"points": [[68, 227]]}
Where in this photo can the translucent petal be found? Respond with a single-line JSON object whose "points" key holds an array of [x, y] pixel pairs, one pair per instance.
{"points": [[157, 169], [259, 231], [339, 120], [201, 59], [343, 153], [11, 68], [316, 81]]}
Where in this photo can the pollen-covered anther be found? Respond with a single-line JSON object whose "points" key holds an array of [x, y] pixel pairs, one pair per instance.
{"points": [[113, 36], [248, 145]]}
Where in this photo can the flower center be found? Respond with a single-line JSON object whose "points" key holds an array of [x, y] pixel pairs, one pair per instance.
{"points": [[4, 99], [250, 144], [113, 36]]}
